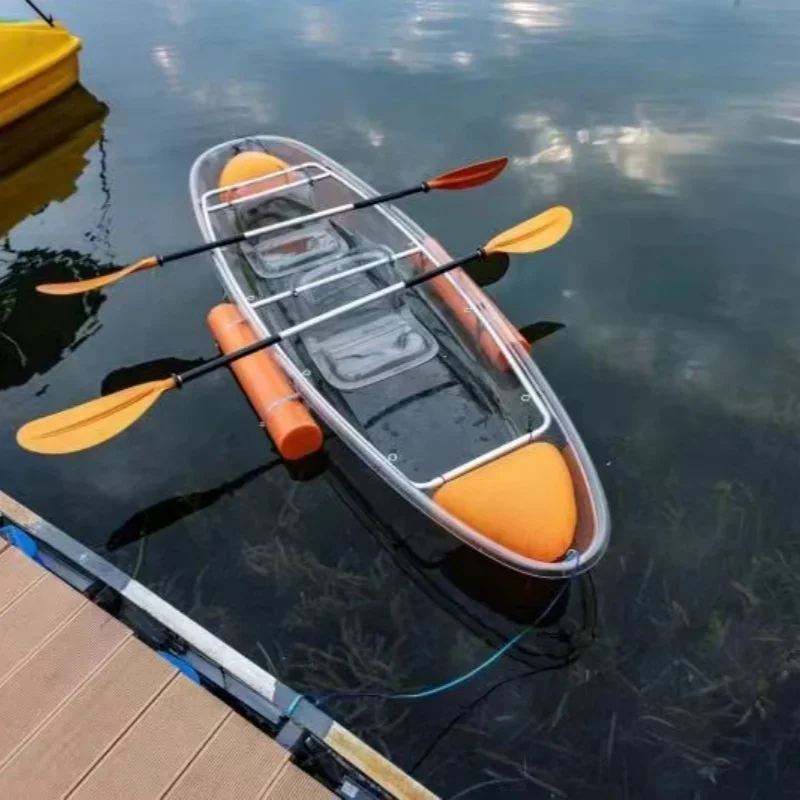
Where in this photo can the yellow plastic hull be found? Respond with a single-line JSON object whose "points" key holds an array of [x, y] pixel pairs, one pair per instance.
{"points": [[37, 64]]}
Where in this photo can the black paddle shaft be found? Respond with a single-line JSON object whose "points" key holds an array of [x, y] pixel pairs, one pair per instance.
{"points": [[201, 248], [240, 237], [223, 361], [262, 344], [389, 196]]}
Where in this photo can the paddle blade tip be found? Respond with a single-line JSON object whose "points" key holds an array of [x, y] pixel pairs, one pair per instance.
{"points": [[91, 423], [534, 234], [90, 284], [470, 176], [77, 287], [59, 289]]}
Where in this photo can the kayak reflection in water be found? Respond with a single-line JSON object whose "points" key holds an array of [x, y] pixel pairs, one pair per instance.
{"points": [[28, 348], [43, 156]]}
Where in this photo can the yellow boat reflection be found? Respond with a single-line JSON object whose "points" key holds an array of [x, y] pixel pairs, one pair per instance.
{"points": [[43, 155]]}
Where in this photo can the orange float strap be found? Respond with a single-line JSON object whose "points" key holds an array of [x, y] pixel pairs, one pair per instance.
{"points": [[457, 306], [288, 422]]}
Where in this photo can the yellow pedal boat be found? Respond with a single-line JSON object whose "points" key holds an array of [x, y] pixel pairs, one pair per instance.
{"points": [[37, 63]]}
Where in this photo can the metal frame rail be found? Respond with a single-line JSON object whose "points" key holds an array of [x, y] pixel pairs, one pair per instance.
{"points": [[315, 172]]}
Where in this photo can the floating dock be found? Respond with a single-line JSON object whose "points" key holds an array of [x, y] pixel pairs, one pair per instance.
{"points": [[108, 691]]}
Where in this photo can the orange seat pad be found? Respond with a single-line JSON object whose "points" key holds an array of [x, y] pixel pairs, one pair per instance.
{"points": [[524, 501]]}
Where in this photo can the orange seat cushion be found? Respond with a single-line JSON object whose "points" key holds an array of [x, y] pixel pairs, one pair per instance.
{"points": [[524, 501]]}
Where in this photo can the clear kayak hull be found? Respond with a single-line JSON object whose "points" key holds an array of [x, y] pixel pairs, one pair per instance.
{"points": [[433, 389]]}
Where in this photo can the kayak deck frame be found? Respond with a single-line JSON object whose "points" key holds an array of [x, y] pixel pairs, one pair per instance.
{"points": [[248, 305]]}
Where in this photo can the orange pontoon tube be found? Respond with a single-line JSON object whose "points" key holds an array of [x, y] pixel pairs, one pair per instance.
{"points": [[288, 422], [452, 298]]}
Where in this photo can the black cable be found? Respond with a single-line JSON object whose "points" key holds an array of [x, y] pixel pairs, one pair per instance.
{"points": [[585, 596]]}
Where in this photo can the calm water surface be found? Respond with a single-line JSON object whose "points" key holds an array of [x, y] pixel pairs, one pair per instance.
{"points": [[672, 128]]}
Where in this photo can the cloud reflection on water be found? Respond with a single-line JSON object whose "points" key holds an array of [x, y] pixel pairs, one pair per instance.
{"points": [[643, 153], [319, 25], [426, 35], [214, 93], [529, 15], [178, 12]]}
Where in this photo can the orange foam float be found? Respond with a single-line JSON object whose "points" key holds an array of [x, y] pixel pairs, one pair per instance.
{"points": [[288, 422], [449, 295]]}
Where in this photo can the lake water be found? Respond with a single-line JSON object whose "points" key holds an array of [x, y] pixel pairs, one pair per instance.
{"points": [[672, 128]]}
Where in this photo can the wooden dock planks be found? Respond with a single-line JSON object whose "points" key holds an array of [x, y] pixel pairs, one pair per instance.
{"points": [[88, 712], [17, 573], [237, 763], [79, 734], [34, 616]]}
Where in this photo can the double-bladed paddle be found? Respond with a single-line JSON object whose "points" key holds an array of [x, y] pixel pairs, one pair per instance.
{"points": [[94, 422], [462, 178]]}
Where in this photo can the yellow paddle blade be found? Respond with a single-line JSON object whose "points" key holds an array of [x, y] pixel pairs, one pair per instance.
{"points": [[91, 423], [537, 233], [79, 287]]}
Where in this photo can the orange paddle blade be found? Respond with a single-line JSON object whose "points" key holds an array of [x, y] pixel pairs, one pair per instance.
{"points": [[92, 423], [79, 287], [469, 176], [537, 233]]}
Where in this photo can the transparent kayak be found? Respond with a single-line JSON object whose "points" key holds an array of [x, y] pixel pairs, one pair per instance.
{"points": [[434, 389]]}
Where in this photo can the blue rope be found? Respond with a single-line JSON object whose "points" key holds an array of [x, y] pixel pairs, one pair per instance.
{"points": [[443, 687], [293, 705]]}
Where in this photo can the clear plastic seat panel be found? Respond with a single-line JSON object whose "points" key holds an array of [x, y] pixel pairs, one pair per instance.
{"points": [[369, 344], [289, 252]]}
